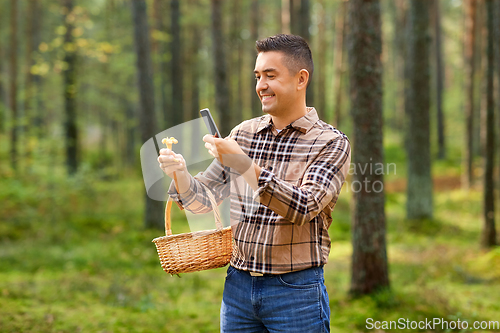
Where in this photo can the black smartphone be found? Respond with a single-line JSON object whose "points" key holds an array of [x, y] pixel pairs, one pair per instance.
{"points": [[209, 121], [212, 128]]}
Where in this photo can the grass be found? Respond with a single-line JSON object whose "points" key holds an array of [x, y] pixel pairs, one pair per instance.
{"points": [[90, 266], [74, 257]]}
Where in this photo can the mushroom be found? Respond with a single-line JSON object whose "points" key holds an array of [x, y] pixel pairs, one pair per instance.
{"points": [[169, 141]]}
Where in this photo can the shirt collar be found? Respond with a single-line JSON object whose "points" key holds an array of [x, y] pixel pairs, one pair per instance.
{"points": [[303, 124]]}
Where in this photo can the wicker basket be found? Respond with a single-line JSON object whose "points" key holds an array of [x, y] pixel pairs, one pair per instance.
{"points": [[194, 251]]}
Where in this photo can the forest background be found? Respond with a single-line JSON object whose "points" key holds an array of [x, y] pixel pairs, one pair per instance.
{"points": [[83, 84]]}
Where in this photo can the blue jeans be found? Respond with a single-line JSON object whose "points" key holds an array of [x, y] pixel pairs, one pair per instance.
{"points": [[291, 302]]}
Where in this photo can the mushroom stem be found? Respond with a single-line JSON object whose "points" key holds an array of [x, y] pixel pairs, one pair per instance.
{"points": [[169, 141]]}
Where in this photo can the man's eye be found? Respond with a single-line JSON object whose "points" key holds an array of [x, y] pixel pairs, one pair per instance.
{"points": [[257, 77], [271, 76]]}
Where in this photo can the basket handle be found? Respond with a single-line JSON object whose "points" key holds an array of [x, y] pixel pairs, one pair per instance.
{"points": [[215, 208]]}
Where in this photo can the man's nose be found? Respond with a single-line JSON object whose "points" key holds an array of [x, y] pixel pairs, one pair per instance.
{"points": [[261, 85]]}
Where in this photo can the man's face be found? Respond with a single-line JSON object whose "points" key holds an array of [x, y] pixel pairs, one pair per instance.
{"points": [[276, 86]]}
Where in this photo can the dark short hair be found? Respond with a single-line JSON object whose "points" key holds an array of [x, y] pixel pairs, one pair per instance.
{"points": [[297, 53]]}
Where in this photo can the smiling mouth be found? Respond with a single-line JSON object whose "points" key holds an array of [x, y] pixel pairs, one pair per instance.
{"points": [[266, 97]]}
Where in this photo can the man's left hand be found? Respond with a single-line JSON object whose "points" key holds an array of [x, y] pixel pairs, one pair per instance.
{"points": [[228, 152]]}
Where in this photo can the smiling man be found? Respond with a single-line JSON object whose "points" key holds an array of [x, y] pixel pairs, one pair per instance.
{"points": [[282, 78], [294, 166]]}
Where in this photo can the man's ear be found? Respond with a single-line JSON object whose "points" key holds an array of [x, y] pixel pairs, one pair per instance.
{"points": [[303, 79]]}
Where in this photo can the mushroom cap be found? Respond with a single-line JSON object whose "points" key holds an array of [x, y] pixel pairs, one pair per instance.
{"points": [[170, 141]]}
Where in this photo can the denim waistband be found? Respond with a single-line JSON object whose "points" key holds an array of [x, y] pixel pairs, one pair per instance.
{"points": [[256, 274]]}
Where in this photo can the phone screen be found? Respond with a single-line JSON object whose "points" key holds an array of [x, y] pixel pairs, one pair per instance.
{"points": [[209, 121]]}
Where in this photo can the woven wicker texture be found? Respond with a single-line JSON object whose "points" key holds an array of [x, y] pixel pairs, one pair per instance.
{"points": [[194, 251]]}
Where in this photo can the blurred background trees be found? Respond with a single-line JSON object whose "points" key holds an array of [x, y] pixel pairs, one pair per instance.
{"points": [[489, 231], [83, 84], [369, 271], [470, 80], [147, 118], [417, 107]]}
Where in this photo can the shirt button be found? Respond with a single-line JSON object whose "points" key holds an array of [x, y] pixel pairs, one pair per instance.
{"points": [[258, 227], [252, 258], [270, 168]]}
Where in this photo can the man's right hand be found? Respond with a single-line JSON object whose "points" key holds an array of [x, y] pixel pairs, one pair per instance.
{"points": [[169, 165], [177, 170]]}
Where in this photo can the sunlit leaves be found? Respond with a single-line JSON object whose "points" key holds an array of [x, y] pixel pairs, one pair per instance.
{"points": [[40, 69], [106, 47], [77, 32], [58, 41], [61, 30], [43, 47], [160, 36], [82, 43], [69, 47]]}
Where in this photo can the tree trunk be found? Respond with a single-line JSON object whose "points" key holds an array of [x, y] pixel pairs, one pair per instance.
{"points": [[38, 107], [147, 120], [195, 75], [469, 48], [220, 69], [130, 134], [285, 16], [406, 73], [13, 85], [419, 189], [28, 96], [235, 65], [497, 61], [69, 74], [340, 27], [254, 34], [195, 46], [305, 22], [489, 233], [294, 7], [439, 82], [369, 258], [401, 23], [321, 63], [479, 137], [105, 113], [161, 50], [391, 68], [3, 94], [177, 111]]}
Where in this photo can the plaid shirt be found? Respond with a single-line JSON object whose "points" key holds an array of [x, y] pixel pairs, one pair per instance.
{"points": [[283, 225]]}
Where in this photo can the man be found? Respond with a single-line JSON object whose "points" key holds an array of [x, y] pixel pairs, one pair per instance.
{"points": [[293, 166]]}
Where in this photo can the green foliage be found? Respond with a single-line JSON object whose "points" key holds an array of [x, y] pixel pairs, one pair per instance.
{"points": [[486, 267], [74, 256]]}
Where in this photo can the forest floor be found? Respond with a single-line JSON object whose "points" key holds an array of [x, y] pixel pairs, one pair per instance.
{"points": [[75, 257]]}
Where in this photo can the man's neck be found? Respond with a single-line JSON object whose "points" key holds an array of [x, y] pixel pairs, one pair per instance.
{"points": [[281, 122]]}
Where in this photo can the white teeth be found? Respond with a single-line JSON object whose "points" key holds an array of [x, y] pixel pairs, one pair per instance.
{"points": [[264, 97]]}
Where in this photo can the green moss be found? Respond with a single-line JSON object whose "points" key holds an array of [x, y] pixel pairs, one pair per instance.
{"points": [[74, 256]]}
